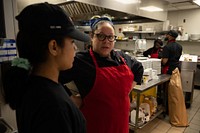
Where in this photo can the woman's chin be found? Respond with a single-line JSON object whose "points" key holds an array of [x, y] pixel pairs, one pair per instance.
{"points": [[67, 67], [105, 53]]}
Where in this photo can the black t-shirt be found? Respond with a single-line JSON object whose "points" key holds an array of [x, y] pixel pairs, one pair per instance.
{"points": [[148, 52], [172, 51], [83, 72], [47, 108]]}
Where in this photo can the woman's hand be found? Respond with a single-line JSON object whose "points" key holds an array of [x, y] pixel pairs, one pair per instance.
{"points": [[133, 84]]}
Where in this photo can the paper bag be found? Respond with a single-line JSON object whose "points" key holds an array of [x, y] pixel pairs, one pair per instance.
{"points": [[176, 102]]}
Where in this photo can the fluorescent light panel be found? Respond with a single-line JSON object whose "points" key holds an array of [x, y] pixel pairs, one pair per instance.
{"points": [[127, 1], [197, 2], [151, 9]]}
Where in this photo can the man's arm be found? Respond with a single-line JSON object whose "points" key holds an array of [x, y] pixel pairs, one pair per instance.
{"points": [[165, 55], [164, 61]]}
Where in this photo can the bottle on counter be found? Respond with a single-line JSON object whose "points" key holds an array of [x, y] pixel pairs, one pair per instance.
{"points": [[147, 100]]}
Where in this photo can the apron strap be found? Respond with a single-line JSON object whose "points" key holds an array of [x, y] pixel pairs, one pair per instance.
{"points": [[122, 58]]}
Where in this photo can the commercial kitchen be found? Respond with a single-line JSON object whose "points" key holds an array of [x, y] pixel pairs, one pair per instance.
{"points": [[136, 29]]}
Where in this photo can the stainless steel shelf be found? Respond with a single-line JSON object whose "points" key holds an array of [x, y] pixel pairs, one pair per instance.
{"points": [[160, 111]]}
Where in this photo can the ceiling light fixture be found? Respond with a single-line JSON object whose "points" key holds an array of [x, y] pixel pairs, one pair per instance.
{"points": [[197, 2], [128, 1], [151, 9]]}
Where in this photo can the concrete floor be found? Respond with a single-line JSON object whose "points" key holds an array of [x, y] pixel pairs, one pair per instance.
{"points": [[162, 125]]}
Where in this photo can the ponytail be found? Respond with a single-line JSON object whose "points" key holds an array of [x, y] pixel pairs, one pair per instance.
{"points": [[14, 83]]}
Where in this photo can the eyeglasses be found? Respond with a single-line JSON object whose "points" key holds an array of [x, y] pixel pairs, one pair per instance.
{"points": [[102, 37]]}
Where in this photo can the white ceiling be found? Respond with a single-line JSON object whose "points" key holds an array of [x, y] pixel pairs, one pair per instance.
{"points": [[173, 5], [181, 5]]}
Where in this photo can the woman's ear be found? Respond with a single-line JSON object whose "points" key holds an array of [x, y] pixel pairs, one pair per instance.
{"points": [[91, 35], [53, 47]]}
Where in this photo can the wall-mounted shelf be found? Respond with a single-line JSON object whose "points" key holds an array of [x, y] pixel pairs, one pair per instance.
{"points": [[190, 41], [139, 32]]}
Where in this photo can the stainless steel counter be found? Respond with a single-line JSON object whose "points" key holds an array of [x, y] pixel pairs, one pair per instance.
{"points": [[161, 79]]}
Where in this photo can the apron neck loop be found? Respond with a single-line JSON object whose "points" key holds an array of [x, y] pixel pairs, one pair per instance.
{"points": [[93, 57]]}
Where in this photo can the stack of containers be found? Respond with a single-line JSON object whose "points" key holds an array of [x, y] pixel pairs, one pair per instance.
{"points": [[146, 63], [153, 63], [156, 65]]}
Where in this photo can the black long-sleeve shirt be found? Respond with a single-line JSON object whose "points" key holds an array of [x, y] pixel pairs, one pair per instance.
{"points": [[83, 72], [148, 52], [173, 52], [153, 50]]}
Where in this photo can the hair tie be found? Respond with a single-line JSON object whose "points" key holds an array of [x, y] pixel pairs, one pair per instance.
{"points": [[95, 20], [21, 63]]}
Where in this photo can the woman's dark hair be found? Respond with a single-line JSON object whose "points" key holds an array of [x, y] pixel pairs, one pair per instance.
{"points": [[14, 82], [158, 41], [95, 21], [34, 48]]}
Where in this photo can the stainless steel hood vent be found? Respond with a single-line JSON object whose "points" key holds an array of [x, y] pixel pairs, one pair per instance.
{"points": [[82, 12], [77, 8]]}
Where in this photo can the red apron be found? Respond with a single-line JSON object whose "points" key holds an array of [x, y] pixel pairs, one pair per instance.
{"points": [[165, 69], [106, 108], [154, 54]]}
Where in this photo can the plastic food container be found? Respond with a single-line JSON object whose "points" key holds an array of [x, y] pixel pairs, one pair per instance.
{"points": [[194, 37]]}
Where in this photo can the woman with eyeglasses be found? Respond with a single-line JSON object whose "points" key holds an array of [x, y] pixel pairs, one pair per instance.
{"points": [[104, 77]]}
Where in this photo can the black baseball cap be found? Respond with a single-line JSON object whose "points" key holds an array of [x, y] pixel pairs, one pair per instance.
{"points": [[48, 19], [173, 33]]}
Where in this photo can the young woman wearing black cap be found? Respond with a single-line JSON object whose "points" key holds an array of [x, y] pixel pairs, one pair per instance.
{"points": [[46, 46], [171, 53], [104, 78], [154, 51]]}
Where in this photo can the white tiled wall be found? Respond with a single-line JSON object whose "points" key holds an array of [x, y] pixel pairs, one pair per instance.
{"points": [[191, 47], [191, 17]]}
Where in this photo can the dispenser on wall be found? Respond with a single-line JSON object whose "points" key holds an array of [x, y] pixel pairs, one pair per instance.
{"points": [[8, 50]]}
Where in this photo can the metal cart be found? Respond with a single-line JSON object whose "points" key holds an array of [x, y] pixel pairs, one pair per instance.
{"points": [[162, 80]]}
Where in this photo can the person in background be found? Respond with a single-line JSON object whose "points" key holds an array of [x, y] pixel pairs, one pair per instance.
{"points": [[155, 51], [46, 46], [104, 78], [171, 53]]}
